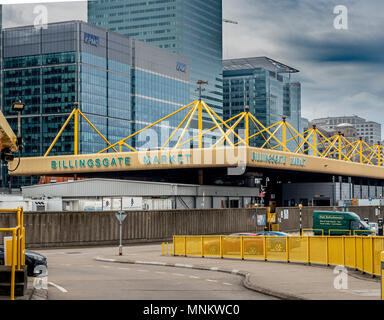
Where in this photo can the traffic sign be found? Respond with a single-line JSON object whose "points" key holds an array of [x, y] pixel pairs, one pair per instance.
{"points": [[121, 216]]}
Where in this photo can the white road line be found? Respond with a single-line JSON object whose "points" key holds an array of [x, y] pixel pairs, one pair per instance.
{"points": [[106, 267], [104, 259], [124, 268], [214, 268], [178, 274], [210, 280], [161, 272], [151, 262], [141, 270], [58, 287], [227, 284], [194, 277], [183, 265], [235, 271]]}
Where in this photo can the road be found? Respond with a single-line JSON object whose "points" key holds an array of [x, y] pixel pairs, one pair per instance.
{"points": [[73, 274]]}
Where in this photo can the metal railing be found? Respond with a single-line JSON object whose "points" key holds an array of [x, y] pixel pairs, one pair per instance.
{"points": [[358, 252], [18, 245]]}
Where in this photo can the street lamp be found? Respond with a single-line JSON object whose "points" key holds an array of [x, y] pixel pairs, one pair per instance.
{"points": [[18, 106]]}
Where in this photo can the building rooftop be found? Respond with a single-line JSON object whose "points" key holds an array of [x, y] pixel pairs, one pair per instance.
{"points": [[257, 62]]}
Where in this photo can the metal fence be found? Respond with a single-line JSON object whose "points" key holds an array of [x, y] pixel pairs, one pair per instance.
{"points": [[359, 252], [16, 252]]}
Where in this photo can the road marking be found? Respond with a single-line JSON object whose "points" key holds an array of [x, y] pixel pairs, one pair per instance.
{"points": [[183, 265], [57, 287], [124, 268], [106, 267], [141, 270], [210, 280], [160, 272], [104, 259], [151, 262], [235, 271], [178, 274], [214, 268], [227, 284], [194, 277]]}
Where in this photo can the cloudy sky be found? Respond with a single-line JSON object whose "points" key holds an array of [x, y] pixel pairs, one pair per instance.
{"points": [[341, 71]]}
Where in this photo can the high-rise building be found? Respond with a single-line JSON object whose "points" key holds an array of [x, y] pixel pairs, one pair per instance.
{"points": [[121, 85], [370, 131], [265, 86], [192, 28]]}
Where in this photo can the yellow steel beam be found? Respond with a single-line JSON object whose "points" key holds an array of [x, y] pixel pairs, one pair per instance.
{"points": [[208, 130], [200, 124], [98, 132], [149, 126], [177, 129], [221, 140], [219, 127], [60, 132], [76, 131], [211, 112], [266, 129], [196, 107], [259, 132], [280, 123]]}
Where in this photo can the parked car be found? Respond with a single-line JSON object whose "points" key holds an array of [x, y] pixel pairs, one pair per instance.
{"points": [[32, 260]]}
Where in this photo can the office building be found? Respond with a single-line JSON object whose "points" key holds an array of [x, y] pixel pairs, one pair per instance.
{"points": [[120, 84], [370, 131], [265, 86], [192, 28]]}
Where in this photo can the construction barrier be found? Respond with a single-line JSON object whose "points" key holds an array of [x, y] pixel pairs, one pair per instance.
{"points": [[14, 247], [359, 252]]}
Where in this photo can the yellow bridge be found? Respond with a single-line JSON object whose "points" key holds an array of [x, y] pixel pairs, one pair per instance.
{"points": [[281, 147]]}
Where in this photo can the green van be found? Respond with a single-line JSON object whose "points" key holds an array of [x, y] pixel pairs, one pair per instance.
{"points": [[339, 223]]}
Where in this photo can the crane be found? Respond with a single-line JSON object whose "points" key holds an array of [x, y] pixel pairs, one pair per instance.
{"points": [[230, 21]]}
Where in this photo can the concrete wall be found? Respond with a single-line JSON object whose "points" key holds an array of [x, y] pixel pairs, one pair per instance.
{"points": [[61, 229]]}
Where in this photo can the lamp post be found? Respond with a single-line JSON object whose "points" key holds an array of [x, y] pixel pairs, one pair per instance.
{"points": [[18, 106]]}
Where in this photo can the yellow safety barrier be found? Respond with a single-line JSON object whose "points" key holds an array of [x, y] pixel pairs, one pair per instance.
{"points": [[17, 248], [382, 275], [306, 230], [360, 252], [338, 230]]}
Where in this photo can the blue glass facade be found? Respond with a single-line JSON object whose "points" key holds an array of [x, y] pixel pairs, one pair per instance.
{"points": [[260, 84], [51, 69], [192, 28]]}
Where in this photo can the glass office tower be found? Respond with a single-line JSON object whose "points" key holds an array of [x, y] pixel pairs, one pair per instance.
{"points": [[264, 85], [51, 69], [192, 28]]}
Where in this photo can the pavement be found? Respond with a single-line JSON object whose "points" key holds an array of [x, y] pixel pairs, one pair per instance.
{"points": [[288, 281]]}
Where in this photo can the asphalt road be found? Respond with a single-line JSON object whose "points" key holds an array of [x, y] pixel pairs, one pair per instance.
{"points": [[73, 274]]}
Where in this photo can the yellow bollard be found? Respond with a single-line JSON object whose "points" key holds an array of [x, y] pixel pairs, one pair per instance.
{"points": [[167, 249], [382, 275], [163, 248], [171, 252]]}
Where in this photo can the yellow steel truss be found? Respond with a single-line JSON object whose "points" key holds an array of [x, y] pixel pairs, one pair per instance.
{"points": [[278, 136]]}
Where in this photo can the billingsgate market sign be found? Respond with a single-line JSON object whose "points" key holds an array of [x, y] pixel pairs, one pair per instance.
{"points": [[188, 158]]}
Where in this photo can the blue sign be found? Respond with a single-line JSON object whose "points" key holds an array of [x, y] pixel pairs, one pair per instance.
{"points": [[182, 67], [91, 39]]}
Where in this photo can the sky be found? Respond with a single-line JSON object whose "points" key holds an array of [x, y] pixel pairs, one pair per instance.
{"points": [[341, 70]]}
